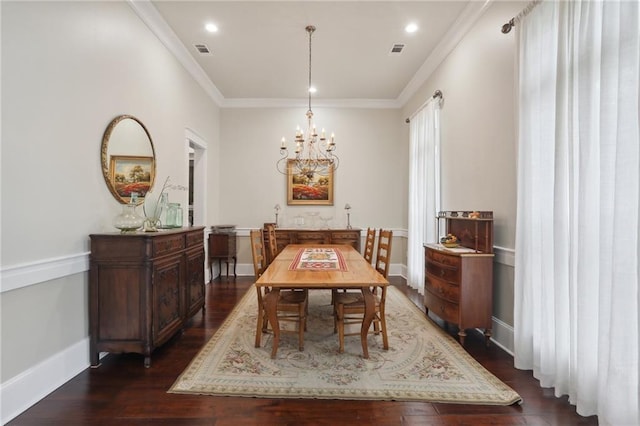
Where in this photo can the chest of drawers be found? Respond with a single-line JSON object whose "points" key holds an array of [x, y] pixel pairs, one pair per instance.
{"points": [[459, 288]]}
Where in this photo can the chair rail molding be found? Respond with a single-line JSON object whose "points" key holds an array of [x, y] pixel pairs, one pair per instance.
{"points": [[26, 274]]}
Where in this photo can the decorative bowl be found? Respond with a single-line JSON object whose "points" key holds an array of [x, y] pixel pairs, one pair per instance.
{"points": [[451, 245]]}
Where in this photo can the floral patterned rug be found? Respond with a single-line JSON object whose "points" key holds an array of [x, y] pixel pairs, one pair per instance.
{"points": [[423, 363]]}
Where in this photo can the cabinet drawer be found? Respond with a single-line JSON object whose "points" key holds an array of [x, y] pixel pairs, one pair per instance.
{"points": [[443, 259], [311, 238], [195, 239], [337, 236], [168, 244], [444, 272], [446, 310], [442, 289]]}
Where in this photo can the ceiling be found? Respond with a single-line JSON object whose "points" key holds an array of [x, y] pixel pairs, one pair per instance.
{"points": [[261, 48]]}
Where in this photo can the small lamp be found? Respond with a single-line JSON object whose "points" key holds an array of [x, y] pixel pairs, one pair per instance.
{"points": [[277, 209], [347, 207]]}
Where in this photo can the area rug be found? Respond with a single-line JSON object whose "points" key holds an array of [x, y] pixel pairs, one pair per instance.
{"points": [[423, 363]]}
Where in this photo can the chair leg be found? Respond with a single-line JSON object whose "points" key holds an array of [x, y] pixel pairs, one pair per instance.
{"points": [[383, 326], [302, 325], [340, 323]]}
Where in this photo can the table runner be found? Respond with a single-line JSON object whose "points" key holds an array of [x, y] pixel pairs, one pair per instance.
{"points": [[318, 259]]}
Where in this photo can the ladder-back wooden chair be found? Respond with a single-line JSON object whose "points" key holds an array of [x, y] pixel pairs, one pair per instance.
{"points": [[272, 242], [369, 243], [292, 304], [349, 307]]}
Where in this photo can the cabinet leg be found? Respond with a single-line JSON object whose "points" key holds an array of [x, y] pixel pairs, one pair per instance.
{"points": [[95, 359], [235, 260], [461, 335], [487, 337]]}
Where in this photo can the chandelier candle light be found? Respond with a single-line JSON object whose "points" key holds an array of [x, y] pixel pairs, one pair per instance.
{"points": [[313, 152]]}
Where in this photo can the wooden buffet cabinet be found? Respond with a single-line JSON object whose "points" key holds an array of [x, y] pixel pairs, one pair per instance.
{"points": [[143, 288], [459, 281], [285, 236]]}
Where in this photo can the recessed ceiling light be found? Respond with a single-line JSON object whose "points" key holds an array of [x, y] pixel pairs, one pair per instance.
{"points": [[212, 28], [411, 28], [312, 89]]}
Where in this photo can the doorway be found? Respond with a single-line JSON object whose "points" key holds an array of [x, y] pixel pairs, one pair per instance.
{"points": [[197, 163]]}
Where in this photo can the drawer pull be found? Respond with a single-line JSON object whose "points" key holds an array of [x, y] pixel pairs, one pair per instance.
{"points": [[442, 272]]}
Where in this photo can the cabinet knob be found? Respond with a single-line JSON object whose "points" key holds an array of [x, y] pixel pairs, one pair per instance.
{"points": [[442, 272]]}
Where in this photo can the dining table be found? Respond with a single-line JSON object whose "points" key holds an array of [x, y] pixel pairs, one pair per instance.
{"points": [[294, 268]]}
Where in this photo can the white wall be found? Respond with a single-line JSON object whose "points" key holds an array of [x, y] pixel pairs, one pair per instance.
{"points": [[68, 68], [371, 176], [479, 135]]}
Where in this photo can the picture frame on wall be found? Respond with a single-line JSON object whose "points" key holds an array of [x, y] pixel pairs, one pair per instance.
{"points": [[131, 174], [314, 189]]}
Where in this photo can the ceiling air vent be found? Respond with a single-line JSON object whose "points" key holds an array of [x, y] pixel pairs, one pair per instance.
{"points": [[396, 49], [203, 49]]}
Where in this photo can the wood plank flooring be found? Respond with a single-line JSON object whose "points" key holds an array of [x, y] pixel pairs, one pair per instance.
{"points": [[121, 391]]}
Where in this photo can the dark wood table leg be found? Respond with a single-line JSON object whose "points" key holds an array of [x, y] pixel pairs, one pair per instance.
{"points": [[369, 313]]}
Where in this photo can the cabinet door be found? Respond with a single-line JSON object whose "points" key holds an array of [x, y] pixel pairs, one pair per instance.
{"points": [[167, 299], [195, 281]]}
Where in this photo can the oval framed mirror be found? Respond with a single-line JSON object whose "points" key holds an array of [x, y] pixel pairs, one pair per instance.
{"points": [[128, 158]]}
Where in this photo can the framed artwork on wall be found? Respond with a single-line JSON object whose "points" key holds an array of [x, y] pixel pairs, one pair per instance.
{"points": [[131, 174], [312, 189]]}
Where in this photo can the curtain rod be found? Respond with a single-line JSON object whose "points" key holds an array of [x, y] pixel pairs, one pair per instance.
{"points": [[436, 94], [506, 28]]}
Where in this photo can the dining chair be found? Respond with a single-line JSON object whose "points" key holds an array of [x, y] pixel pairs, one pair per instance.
{"points": [[369, 244], [349, 307], [273, 243], [292, 304]]}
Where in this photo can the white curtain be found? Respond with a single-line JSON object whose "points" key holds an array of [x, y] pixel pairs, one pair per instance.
{"points": [[576, 310], [424, 188]]}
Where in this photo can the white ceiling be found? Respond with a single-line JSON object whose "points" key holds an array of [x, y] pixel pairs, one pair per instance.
{"points": [[261, 49]]}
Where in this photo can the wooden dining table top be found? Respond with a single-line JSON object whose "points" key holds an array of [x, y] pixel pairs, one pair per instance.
{"points": [[359, 272]]}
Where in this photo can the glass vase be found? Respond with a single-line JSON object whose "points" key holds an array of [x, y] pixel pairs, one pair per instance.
{"points": [[128, 221]]}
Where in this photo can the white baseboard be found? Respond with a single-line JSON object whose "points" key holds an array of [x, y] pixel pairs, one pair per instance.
{"points": [[502, 335], [24, 390]]}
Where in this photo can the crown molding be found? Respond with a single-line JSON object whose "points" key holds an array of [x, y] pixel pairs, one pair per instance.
{"points": [[458, 30], [318, 103], [147, 12], [152, 18]]}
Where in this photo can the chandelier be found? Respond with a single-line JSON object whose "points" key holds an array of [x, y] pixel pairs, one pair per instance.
{"points": [[313, 151]]}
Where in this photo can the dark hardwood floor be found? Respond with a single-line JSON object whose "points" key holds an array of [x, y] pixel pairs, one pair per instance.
{"points": [[121, 391]]}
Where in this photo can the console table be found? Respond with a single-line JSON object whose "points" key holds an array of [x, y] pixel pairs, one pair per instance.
{"points": [[222, 246], [143, 288], [286, 236]]}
